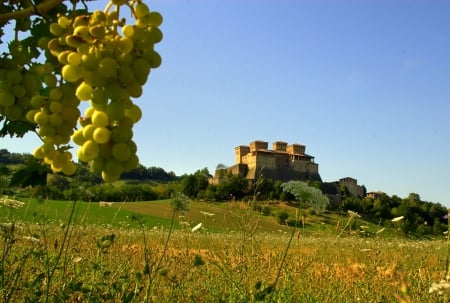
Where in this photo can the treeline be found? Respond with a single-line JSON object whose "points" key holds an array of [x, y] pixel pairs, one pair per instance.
{"points": [[30, 178], [418, 217], [12, 158]]}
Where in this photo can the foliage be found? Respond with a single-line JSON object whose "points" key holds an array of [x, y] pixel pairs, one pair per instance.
{"points": [[61, 53], [306, 195], [194, 184]]}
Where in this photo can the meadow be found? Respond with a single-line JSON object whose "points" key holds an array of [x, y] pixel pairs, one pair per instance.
{"points": [[56, 251]]}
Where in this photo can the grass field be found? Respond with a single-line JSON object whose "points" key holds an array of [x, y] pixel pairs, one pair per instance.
{"points": [[236, 256]]}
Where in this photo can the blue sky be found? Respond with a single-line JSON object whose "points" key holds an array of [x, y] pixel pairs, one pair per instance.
{"points": [[364, 84]]}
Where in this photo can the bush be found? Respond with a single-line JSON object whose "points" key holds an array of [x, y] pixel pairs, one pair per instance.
{"points": [[266, 211], [282, 216]]}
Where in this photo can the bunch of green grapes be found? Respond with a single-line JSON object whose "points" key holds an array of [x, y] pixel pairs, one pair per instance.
{"points": [[104, 61], [18, 85]]}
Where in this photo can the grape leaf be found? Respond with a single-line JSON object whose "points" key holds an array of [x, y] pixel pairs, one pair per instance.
{"points": [[15, 128], [34, 173]]}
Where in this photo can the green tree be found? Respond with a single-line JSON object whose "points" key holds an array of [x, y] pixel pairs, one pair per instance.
{"points": [[193, 184], [306, 195]]}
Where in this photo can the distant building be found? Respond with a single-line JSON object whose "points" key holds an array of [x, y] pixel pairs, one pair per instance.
{"points": [[375, 195], [333, 189], [283, 162]]}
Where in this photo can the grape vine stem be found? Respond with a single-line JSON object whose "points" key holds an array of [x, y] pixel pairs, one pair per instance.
{"points": [[40, 8]]}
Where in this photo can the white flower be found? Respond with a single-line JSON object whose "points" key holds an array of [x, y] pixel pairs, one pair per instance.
{"points": [[381, 230], [11, 203], [197, 227], [442, 288], [353, 214], [398, 219], [31, 239]]}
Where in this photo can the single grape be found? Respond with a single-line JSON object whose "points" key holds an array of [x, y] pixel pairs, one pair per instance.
{"points": [[101, 135]]}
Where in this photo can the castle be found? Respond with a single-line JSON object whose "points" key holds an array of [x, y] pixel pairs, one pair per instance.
{"points": [[283, 162]]}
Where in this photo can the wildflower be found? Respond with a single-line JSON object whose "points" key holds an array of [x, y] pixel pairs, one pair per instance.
{"points": [[353, 214], [442, 287], [396, 219], [31, 239], [77, 259], [381, 230], [11, 203], [197, 227]]}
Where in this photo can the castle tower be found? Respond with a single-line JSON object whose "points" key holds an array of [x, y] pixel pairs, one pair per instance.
{"points": [[240, 151], [257, 145], [296, 149], [279, 146]]}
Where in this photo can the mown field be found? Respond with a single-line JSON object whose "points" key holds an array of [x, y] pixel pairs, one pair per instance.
{"points": [[129, 253]]}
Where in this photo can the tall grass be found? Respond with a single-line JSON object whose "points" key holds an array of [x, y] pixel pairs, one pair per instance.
{"points": [[44, 260]]}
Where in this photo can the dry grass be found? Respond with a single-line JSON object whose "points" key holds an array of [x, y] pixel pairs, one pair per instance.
{"points": [[206, 267]]}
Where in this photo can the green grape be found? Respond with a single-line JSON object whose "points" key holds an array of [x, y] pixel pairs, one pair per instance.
{"points": [[109, 178], [115, 91], [74, 58], [155, 19], [55, 120], [14, 77], [56, 29], [41, 118], [124, 45], [71, 73], [100, 119], [78, 137], [131, 163], [134, 113], [69, 168], [84, 91], [141, 10], [82, 31], [105, 150], [6, 98], [121, 134], [46, 130], [155, 35], [152, 57], [89, 62], [30, 115], [133, 146], [101, 135], [88, 131], [97, 31], [115, 111], [70, 114], [38, 153], [126, 75], [80, 155], [13, 112], [108, 67], [50, 80], [134, 90], [128, 30], [121, 151], [30, 83], [90, 149], [64, 22], [97, 164], [56, 93], [113, 167], [56, 107], [98, 96], [141, 70], [63, 57]]}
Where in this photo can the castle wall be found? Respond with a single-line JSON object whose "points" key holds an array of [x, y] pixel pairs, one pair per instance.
{"points": [[284, 162]]}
